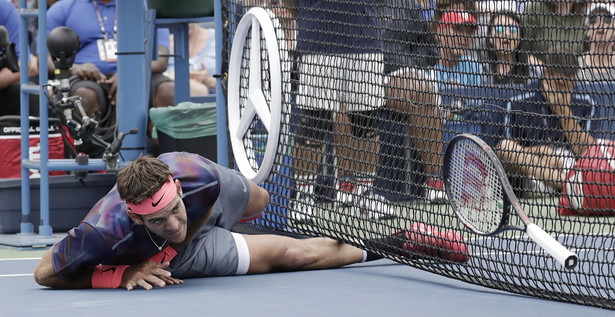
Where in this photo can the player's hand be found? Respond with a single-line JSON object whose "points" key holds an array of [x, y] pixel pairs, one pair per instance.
{"points": [[147, 275], [88, 71]]}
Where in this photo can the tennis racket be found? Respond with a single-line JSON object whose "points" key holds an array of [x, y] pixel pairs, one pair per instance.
{"points": [[481, 196]]}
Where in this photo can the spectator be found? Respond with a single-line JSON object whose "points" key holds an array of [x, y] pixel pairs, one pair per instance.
{"points": [[202, 61], [286, 13], [551, 23], [169, 218], [406, 37], [598, 62], [455, 69], [340, 81], [409, 47], [93, 75], [547, 127], [9, 81], [445, 6], [505, 63], [411, 95]]}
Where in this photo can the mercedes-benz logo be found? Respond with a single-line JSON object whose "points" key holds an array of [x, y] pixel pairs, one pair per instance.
{"points": [[263, 103]]}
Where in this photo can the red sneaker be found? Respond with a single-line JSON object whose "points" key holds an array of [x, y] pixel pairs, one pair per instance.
{"points": [[425, 239]]}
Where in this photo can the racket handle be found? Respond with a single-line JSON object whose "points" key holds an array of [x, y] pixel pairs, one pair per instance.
{"points": [[557, 250]]}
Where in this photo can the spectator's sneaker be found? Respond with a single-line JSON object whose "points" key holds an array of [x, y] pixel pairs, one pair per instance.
{"points": [[568, 159], [372, 206], [346, 191], [303, 204], [426, 240], [350, 187], [434, 191], [534, 187]]}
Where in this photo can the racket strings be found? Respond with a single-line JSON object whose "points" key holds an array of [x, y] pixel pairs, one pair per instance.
{"points": [[475, 188]]}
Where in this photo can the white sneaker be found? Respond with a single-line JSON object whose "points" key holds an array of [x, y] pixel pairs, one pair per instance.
{"points": [[434, 191], [372, 206], [302, 206], [568, 159], [345, 191], [537, 188], [349, 187]]}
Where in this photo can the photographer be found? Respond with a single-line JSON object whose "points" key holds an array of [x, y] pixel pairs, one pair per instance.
{"points": [[94, 72]]}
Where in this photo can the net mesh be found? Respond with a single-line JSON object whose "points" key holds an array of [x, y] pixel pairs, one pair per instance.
{"points": [[371, 92], [474, 187]]}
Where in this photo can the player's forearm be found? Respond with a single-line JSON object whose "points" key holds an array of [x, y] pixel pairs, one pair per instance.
{"points": [[45, 275]]}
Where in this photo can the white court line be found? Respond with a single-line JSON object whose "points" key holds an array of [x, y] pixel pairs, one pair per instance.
{"points": [[20, 259], [19, 274], [16, 275]]}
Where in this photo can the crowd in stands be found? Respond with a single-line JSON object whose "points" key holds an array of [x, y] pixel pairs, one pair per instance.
{"points": [[493, 60]]}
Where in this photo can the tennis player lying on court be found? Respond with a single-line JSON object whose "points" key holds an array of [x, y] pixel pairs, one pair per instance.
{"points": [[168, 218]]}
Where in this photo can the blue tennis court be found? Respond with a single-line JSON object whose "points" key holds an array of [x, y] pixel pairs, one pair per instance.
{"points": [[367, 289]]}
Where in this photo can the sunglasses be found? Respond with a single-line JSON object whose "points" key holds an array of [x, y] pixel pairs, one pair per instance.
{"points": [[606, 18], [501, 29]]}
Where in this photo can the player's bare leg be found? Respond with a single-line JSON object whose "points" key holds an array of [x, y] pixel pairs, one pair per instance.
{"points": [[273, 253]]}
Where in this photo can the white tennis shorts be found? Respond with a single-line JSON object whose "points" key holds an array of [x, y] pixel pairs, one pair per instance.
{"points": [[357, 79]]}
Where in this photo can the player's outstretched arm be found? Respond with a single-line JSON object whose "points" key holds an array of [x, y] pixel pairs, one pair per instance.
{"points": [[45, 275], [147, 275]]}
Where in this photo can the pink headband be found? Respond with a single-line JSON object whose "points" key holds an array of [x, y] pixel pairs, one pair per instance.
{"points": [[158, 201]]}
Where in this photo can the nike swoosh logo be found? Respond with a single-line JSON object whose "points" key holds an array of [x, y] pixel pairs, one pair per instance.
{"points": [[245, 189], [156, 203], [109, 269]]}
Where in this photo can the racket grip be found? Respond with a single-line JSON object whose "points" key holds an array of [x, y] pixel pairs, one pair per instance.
{"points": [[557, 250]]}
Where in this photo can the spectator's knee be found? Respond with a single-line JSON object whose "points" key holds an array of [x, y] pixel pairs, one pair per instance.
{"points": [[165, 94], [506, 148]]}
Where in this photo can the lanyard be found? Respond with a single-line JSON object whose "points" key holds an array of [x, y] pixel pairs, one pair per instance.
{"points": [[101, 23]]}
